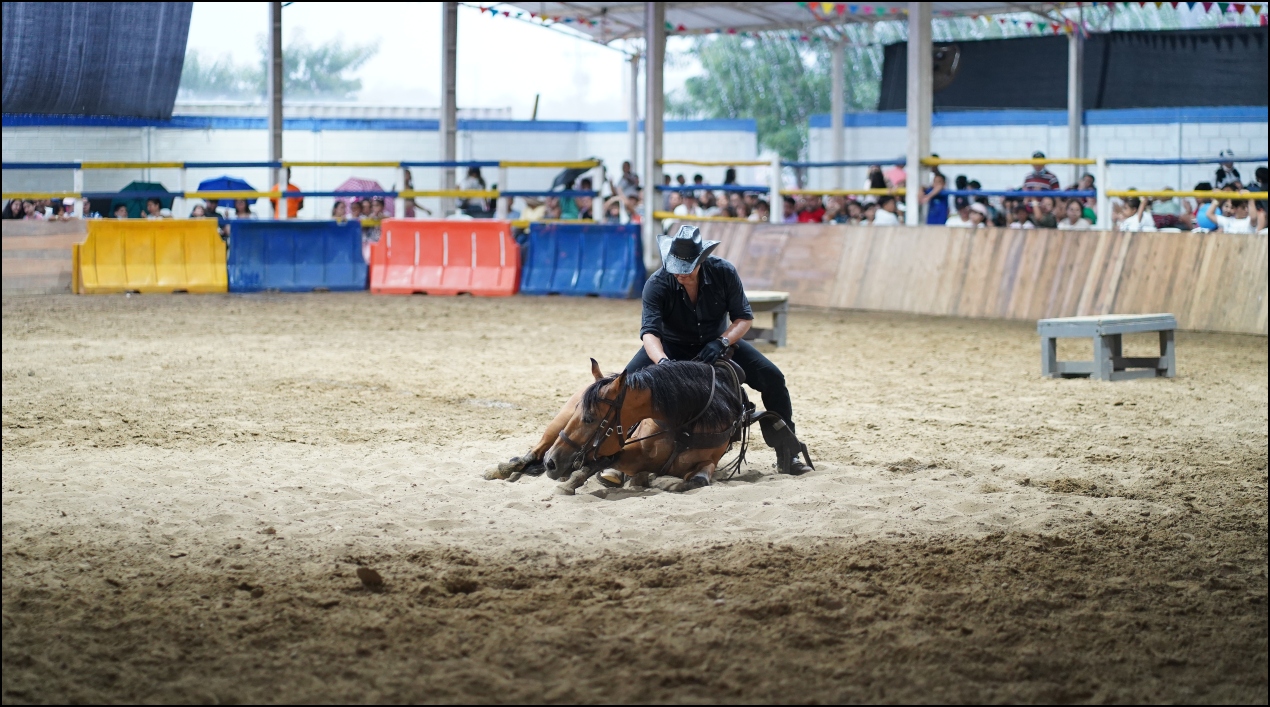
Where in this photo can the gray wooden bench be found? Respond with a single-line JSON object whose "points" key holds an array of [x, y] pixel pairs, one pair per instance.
{"points": [[1109, 362], [769, 301]]}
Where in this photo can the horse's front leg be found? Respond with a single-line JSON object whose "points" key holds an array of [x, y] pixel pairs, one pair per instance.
{"points": [[531, 462], [575, 481]]}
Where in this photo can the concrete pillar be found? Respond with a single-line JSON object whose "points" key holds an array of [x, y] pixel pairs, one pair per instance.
{"points": [[838, 107], [921, 98], [448, 131], [274, 82], [654, 58], [632, 119], [1075, 107]]}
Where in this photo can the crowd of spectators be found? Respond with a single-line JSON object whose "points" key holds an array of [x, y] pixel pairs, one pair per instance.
{"points": [[620, 200]]}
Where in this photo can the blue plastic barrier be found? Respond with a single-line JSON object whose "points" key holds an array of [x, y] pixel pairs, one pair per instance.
{"points": [[295, 256], [583, 259]]}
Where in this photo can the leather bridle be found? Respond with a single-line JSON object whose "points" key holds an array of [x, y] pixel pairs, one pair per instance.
{"points": [[610, 423]]}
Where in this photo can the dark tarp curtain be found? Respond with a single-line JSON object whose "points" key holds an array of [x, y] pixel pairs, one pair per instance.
{"points": [[1218, 67], [94, 58]]}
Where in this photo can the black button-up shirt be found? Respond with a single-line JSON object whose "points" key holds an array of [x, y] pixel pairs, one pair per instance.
{"points": [[670, 315]]}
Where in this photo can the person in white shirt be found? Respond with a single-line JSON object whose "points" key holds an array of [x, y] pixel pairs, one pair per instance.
{"points": [[979, 215], [961, 217], [886, 215], [1138, 215], [1073, 218], [1239, 219], [1019, 218], [689, 206]]}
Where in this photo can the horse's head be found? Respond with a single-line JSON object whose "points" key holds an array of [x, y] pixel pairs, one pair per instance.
{"points": [[594, 430]]}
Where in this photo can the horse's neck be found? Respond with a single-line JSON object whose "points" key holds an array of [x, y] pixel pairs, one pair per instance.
{"points": [[637, 407]]}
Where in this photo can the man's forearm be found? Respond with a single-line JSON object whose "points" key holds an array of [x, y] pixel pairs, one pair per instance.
{"points": [[737, 330], [652, 347]]}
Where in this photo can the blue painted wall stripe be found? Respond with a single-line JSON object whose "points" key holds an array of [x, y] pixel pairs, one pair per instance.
{"points": [[193, 122], [1128, 116]]}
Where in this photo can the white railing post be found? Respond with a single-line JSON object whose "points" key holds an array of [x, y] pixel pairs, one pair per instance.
{"points": [[399, 206], [1103, 205], [776, 202], [178, 203], [502, 207], [77, 186]]}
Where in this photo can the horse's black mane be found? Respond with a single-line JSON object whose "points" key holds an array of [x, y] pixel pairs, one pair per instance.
{"points": [[679, 390]]}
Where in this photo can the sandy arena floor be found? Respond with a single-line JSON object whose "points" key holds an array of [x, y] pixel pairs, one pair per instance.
{"points": [[192, 482]]}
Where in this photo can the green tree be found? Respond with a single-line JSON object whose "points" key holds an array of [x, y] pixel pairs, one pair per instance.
{"points": [[311, 71]]}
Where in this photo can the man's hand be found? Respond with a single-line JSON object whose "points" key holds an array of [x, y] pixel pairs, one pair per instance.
{"points": [[711, 352]]}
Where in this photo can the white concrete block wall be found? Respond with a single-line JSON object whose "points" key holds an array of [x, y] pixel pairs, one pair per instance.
{"points": [[74, 143], [1152, 140]]}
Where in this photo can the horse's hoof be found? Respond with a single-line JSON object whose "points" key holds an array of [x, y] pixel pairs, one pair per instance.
{"points": [[611, 478], [514, 464], [514, 477], [696, 482], [494, 473], [534, 469]]}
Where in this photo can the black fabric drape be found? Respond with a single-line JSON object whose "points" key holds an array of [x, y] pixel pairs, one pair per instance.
{"points": [[94, 58], [1211, 67]]}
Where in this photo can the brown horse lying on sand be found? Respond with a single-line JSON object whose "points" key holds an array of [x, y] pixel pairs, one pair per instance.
{"points": [[666, 426]]}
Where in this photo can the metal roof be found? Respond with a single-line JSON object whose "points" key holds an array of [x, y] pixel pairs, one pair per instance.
{"points": [[605, 22]]}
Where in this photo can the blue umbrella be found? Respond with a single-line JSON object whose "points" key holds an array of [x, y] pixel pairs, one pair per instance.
{"points": [[225, 184]]}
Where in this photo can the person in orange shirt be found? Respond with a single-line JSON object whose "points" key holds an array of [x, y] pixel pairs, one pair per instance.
{"points": [[293, 205]]}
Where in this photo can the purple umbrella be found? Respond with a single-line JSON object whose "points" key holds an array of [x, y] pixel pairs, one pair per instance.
{"points": [[359, 184]]}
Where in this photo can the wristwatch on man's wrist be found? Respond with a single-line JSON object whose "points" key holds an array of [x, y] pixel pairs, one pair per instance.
{"points": [[725, 341]]}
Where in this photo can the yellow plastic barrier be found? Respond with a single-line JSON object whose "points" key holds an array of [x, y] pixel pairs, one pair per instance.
{"points": [[1167, 194], [138, 255]]}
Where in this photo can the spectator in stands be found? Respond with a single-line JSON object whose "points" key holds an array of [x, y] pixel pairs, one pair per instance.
{"points": [[474, 207], [688, 205], [628, 185], [1200, 214], [613, 210], [762, 212], [1136, 214], [412, 204], [1020, 218], [199, 211], [680, 181], [584, 204], [121, 211], [1239, 220], [1074, 217], [1227, 175], [729, 177], [734, 201], [153, 207], [377, 209], [979, 215], [870, 210], [741, 210], [810, 210], [698, 180], [339, 211], [1168, 212], [1085, 183], [855, 212], [836, 211], [666, 194], [1043, 212], [936, 205], [791, 209], [242, 210], [895, 176], [709, 203], [552, 210], [31, 210], [14, 209], [293, 205], [535, 209], [1040, 179], [1261, 175], [887, 213], [875, 178], [961, 217], [633, 206]]}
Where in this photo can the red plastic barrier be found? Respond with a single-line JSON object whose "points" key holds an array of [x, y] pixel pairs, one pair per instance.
{"points": [[445, 258]]}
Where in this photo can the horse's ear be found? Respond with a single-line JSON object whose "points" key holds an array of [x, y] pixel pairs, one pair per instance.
{"points": [[595, 370]]}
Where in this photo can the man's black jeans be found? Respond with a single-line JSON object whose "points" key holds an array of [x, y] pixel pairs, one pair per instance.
{"points": [[760, 373]]}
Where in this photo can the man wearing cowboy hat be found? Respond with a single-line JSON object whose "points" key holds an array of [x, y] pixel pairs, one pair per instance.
{"points": [[687, 305]]}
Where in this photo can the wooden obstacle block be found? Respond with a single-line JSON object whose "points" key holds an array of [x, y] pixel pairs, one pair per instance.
{"points": [[1109, 362], [769, 301]]}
